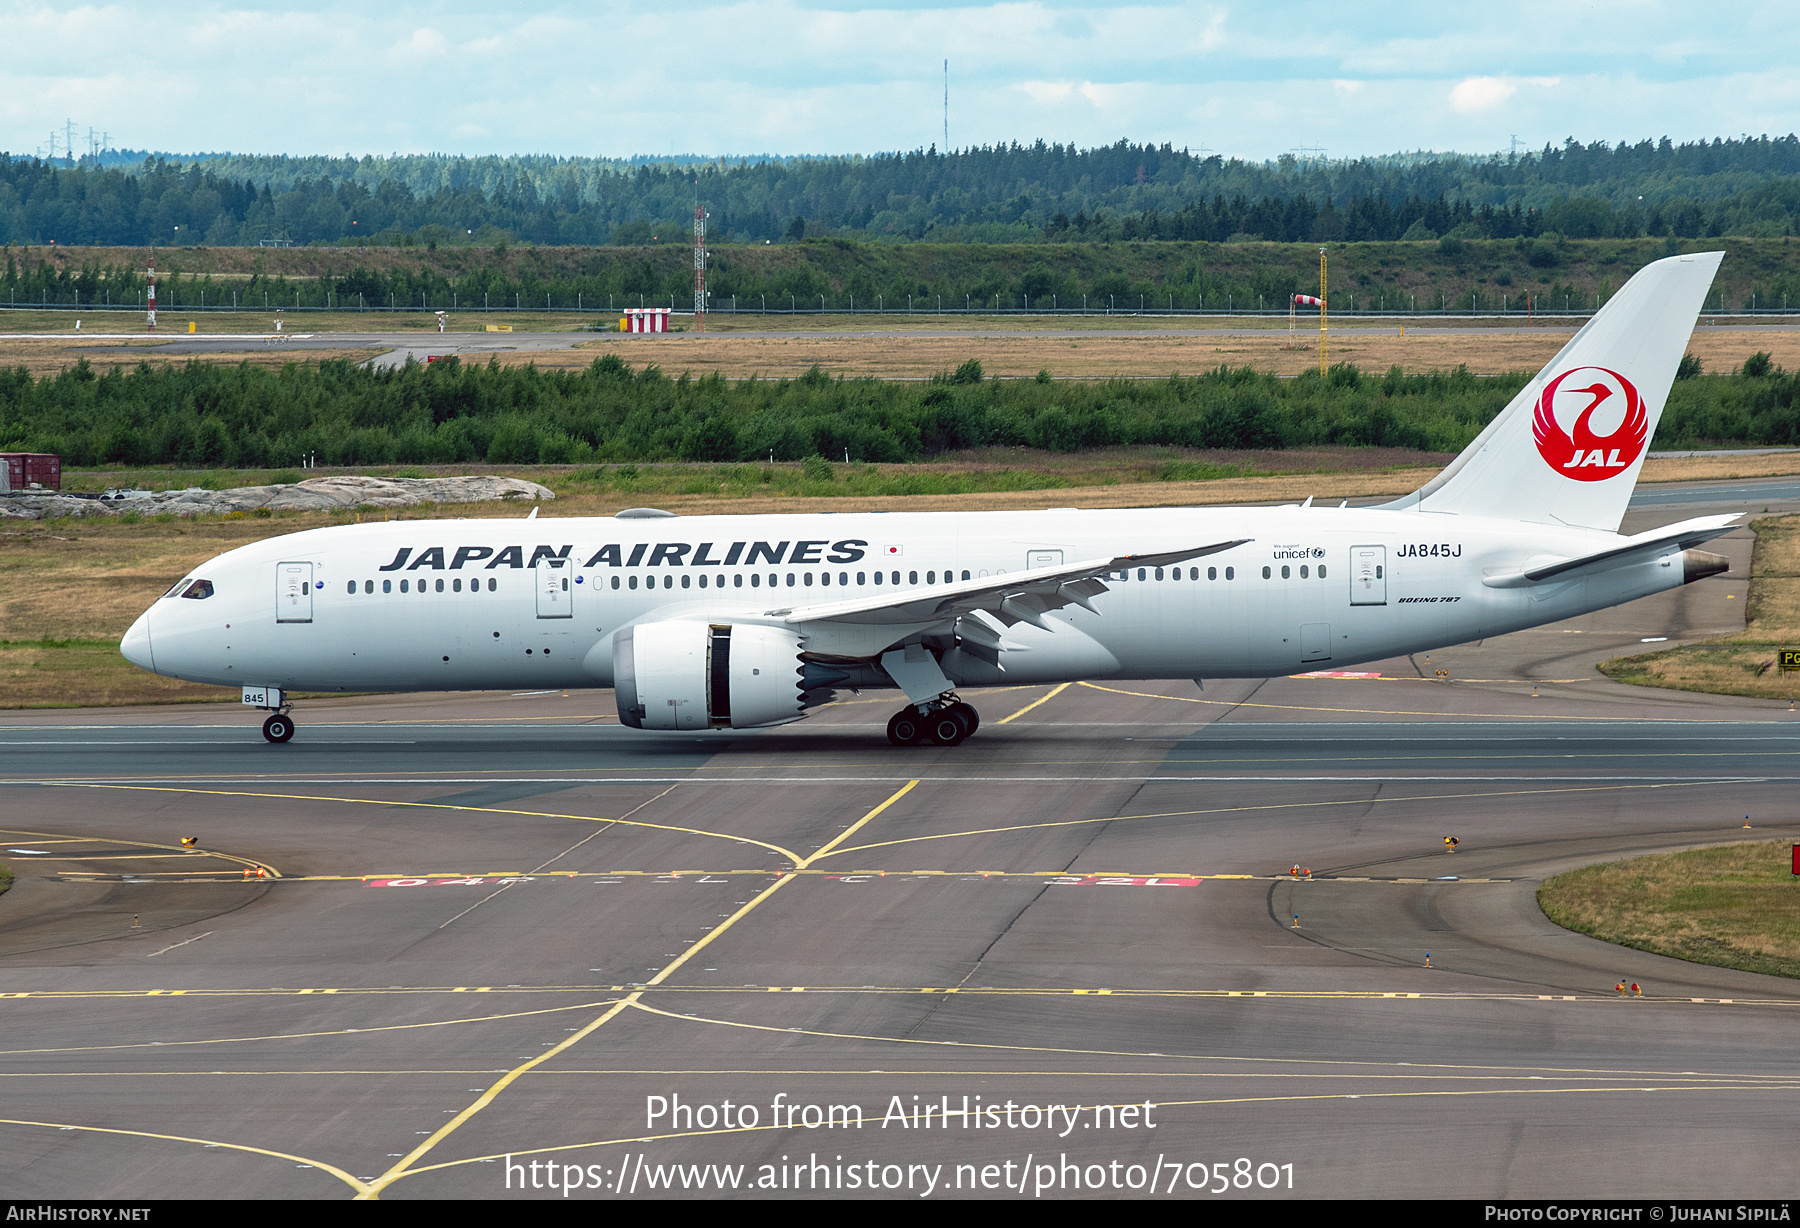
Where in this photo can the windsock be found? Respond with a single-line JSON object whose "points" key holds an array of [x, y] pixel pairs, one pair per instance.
{"points": [[1307, 300]]}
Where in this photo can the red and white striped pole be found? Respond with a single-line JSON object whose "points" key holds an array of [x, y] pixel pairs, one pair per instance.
{"points": [[152, 297]]}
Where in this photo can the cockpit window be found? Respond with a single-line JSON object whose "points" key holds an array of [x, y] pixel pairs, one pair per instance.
{"points": [[199, 590], [176, 591]]}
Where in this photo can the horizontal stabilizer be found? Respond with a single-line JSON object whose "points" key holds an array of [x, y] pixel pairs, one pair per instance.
{"points": [[1643, 548]]}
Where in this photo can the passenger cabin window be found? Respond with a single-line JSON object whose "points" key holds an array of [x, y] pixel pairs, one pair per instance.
{"points": [[199, 590]]}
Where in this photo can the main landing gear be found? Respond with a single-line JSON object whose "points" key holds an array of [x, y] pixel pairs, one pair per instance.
{"points": [[946, 723]]}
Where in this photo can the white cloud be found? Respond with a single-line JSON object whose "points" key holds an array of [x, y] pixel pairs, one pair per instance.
{"points": [[425, 44], [1476, 94], [1046, 93]]}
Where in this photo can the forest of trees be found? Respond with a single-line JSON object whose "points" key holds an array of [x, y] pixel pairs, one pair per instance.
{"points": [[1042, 193], [1492, 275], [249, 417]]}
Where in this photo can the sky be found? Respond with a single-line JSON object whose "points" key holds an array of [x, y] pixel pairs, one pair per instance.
{"points": [[626, 78]]}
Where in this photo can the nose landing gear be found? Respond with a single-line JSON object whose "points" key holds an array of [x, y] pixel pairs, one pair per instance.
{"points": [[946, 723], [279, 727]]}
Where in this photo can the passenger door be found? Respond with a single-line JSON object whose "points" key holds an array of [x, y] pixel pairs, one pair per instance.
{"points": [[293, 592], [1368, 575], [555, 589]]}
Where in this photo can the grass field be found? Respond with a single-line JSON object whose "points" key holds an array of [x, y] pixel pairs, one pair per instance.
{"points": [[1743, 664], [898, 355], [1733, 907], [866, 347]]}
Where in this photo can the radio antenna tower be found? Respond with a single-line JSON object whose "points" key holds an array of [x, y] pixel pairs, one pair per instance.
{"points": [[946, 108], [699, 267]]}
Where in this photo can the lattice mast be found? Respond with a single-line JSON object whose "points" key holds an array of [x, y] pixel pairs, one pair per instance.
{"points": [[1322, 298], [699, 268], [150, 297]]}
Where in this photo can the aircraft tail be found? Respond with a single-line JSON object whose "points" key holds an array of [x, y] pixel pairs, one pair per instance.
{"points": [[1568, 449]]}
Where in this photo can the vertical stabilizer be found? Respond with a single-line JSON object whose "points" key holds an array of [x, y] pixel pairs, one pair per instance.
{"points": [[1568, 449]]}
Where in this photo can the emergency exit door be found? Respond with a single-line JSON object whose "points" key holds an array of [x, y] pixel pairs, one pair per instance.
{"points": [[1368, 575], [555, 589], [293, 592]]}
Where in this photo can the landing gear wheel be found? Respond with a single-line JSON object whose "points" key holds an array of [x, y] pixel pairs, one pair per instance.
{"points": [[946, 727], [970, 718], [905, 728], [278, 728]]}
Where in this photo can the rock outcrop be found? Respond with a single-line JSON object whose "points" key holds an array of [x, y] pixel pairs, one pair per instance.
{"points": [[313, 495]]}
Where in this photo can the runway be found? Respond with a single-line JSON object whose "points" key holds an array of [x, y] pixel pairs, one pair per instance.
{"points": [[480, 946]]}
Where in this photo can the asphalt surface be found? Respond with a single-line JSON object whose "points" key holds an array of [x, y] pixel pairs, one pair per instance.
{"points": [[502, 925]]}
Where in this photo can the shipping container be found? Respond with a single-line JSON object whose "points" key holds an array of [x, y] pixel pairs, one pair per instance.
{"points": [[19, 470]]}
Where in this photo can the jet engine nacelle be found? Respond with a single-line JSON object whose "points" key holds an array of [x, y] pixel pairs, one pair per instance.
{"points": [[696, 675]]}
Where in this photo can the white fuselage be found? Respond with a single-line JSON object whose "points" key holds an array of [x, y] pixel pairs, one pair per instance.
{"points": [[471, 604]]}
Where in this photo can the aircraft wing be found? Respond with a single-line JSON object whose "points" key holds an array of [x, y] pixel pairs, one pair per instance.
{"points": [[1012, 597], [1638, 549]]}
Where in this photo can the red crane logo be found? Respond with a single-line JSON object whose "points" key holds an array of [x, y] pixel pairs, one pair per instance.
{"points": [[1575, 408]]}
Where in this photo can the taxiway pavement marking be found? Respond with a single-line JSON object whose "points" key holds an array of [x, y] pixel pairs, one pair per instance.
{"points": [[333, 1169], [371, 801], [401, 1169], [1181, 814], [1596, 995], [168, 850], [1006, 720], [1488, 716], [233, 1040]]}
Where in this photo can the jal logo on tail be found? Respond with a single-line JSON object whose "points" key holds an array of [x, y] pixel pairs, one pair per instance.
{"points": [[1590, 424]]}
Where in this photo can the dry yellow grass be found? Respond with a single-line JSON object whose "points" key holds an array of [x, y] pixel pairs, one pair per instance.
{"points": [[899, 355], [1747, 663], [43, 358], [1732, 907], [67, 593]]}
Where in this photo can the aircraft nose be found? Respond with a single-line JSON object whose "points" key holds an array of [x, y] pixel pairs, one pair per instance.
{"points": [[136, 644]]}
